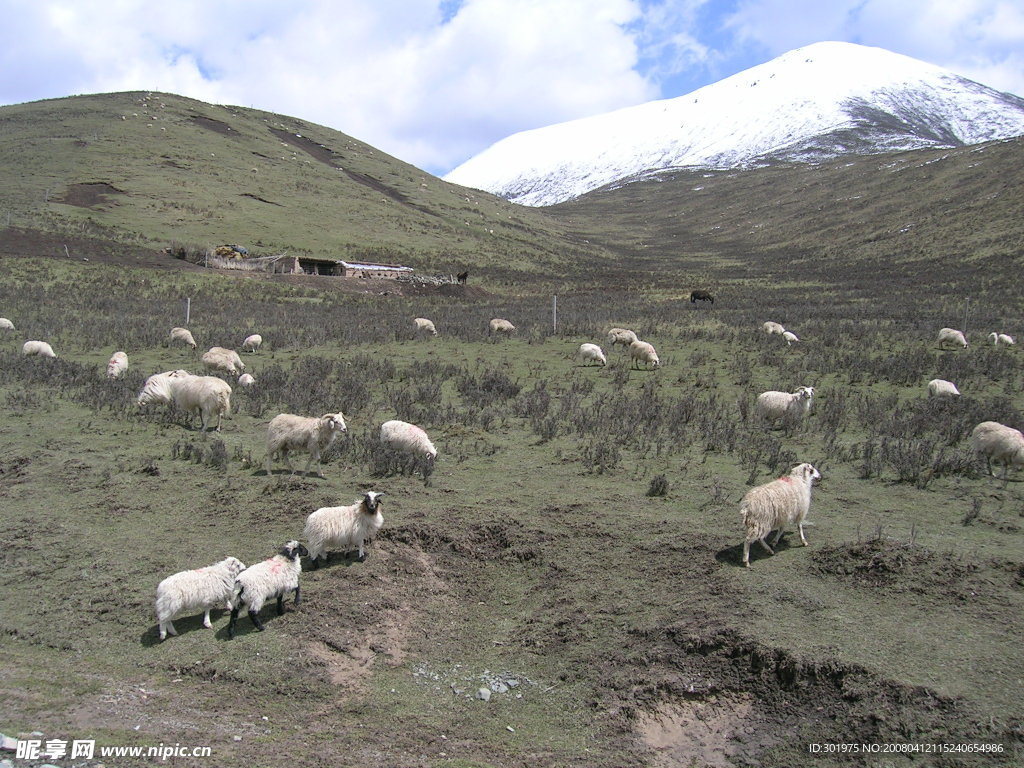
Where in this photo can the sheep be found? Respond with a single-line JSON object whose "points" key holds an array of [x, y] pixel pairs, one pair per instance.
{"points": [[309, 433], [942, 388], [773, 328], [699, 295], [252, 343], [274, 577], [184, 335], [222, 359], [246, 380], [206, 394], [789, 407], [775, 505], [999, 443], [642, 352], [951, 336], [790, 337], [423, 326], [6, 324], [343, 528], [117, 365], [200, 589], [622, 336], [407, 438], [1001, 338], [592, 353], [498, 325], [39, 348]]}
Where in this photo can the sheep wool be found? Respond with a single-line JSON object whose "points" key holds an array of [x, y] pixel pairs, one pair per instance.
{"points": [[246, 380], [773, 329], [184, 336], [789, 407], [224, 360], [343, 528], [117, 365], [313, 434], [1000, 444], [499, 325], [38, 349], [775, 505], [207, 395], [1001, 339], [942, 388], [201, 589], [6, 324], [952, 336], [591, 353], [642, 352], [252, 343], [424, 326], [790, 337], [622, 336], [407, 438], [274, 577]]}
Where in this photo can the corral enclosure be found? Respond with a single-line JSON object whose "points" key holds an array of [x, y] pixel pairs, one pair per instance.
{"points": [[575, 550]]}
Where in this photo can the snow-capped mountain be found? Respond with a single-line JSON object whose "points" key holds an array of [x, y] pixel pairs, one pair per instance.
{"points": [[811, 104]]}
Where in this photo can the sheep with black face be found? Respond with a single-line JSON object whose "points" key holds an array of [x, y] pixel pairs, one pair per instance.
{"points": [[343, 528], [272, 578]]}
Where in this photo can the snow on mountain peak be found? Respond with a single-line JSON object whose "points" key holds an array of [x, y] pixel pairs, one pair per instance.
{"points": [[810, 104]]}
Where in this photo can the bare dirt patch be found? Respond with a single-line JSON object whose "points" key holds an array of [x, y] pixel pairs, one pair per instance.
{"points": [[89, 195], [217, 126]]}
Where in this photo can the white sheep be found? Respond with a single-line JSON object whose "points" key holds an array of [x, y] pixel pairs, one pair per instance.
{"points": [[343, 528], [313, 434], [942, 388], [184, 335], [274, 577], [407, 438], [775, 505], [201, 589], [1000, 444], [6, 324], [622, 336], [773, 329], [1001, 339], [423, 326], [117, 365], [246, 380], [789, 407], [592, 353], [952, 336], [790, 337], [643, 352], [252, 342], [222, 359], [206, 394], [38, 348], [498, 325]]}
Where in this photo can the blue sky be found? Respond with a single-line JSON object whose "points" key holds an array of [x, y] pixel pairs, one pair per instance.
{"points": [[435, 82]]}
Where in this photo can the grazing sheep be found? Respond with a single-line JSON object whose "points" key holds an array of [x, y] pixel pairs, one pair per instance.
{"points": [[274, 577], [222, 359], [773, 328], [790, 337], [1001, 339], [343, 528], [308, 433], [942, 388], [592, 353], [696, 296], [424, 326], [622, 336], [642, 352], [498, 325], [206, 394], [117, 365], [1000, 444], [407, 438], [184, 335], [39, 348], [6, 324], [775, 505], [952, 336], [201, 589], [252, 343], [246, 380], [788, 407]]}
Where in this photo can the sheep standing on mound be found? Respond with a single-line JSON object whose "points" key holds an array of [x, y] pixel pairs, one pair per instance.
{"points": [[201, 589], [423, 326], [313, 434], [252, 343], [38, 349], [206, 394], [622, 336], [642, 352], [942, 388], [952, 336], [788, 407], [775, 505], [343, 528], [224, 360], [498, 325], [407, 438], [6, 324], [1001, 339], [184, 336], [773, 329], [1000, 444], [591, 353], [274, 577], [117, 365]]}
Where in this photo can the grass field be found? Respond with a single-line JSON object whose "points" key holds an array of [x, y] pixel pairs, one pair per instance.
{"points": [[613, 627]]}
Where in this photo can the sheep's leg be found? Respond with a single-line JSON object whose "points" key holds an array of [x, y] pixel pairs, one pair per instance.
{"points": [[746, 554], [166, 628], [287, 459], [778, 535], [803, 538], [298, 594], [765, 544], [280, 604], [254, 615], [206, 619], [233, 621]]}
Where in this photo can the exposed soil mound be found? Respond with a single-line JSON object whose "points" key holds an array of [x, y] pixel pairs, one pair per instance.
{"points": [[217, 126], [897, 565], [89, 195]]}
